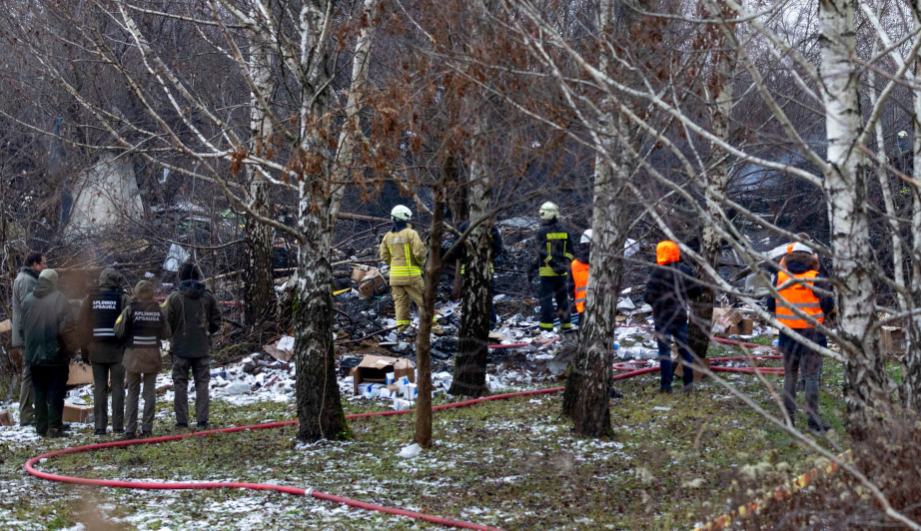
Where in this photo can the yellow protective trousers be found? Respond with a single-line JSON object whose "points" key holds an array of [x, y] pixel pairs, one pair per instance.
{"points": [[402, 295]]}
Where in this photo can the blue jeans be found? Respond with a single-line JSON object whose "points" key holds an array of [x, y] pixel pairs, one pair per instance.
{"points": [[680, 334]]}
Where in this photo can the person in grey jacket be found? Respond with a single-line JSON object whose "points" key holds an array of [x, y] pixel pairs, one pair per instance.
{"points": [[193, 315], [143, 325], [22, 286], [46, 325], [96, 324]]}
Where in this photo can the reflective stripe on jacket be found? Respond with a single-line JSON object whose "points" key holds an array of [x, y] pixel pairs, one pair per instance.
{"points": [[580, 279], [404, 252], [798, 294], [555, 241]]}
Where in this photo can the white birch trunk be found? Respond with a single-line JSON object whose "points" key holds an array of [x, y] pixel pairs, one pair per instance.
{"points": [[259, 292], [846, 189], [320, 193], [586, 399]]}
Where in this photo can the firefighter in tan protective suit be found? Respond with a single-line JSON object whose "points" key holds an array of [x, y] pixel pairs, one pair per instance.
{"points": [[404, 252]]}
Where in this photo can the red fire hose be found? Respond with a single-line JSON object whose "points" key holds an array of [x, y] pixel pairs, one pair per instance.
{"points": [[30, 464]]}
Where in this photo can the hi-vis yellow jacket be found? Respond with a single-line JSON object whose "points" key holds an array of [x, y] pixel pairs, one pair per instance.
{"points": [[404, 252]]}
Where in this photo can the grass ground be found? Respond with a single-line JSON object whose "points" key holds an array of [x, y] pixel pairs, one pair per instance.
{"points": [[511, 464]]}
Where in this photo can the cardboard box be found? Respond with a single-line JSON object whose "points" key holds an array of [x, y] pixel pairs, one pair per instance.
{"points": [[358, 274], [282, 350], [411, 392], [79, 414], [893, 340], [374, 369], [80, 374], [726, 322], [372, 284], [746, 327], [6, 326], [5, 418]]}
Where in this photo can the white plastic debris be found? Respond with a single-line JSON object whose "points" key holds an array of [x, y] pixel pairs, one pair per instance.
{"points": [[411, 451], [286, 343], [237, 388], [175, 257], [660, 408], [631, 247], [625, 304]]}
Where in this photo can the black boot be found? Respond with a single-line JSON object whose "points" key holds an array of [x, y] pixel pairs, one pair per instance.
{"points": [[615, 393], [818, 426]]}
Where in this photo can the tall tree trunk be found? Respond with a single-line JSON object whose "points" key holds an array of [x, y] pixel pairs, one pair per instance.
{"points": [[911, 362], [865, 380], [586, 399], [258, 288], [319, 407], [910, 390], [473, 347], [717, 180], [424, 338]]}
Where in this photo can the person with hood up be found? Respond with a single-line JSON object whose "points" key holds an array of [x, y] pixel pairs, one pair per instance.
{"points": [[796, 283], [669, 291], [22, 286], [193, 315], [554, 255], [46, 326], [402, 249], [143, 325], [96, 325]]}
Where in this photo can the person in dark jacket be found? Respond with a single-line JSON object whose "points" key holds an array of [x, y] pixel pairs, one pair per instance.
{"points": [[668, 291], [22, 287], [96, 325], [193, 316], [143, 325], [460, 253], [47, 322], [795, 283], [554, 248]]}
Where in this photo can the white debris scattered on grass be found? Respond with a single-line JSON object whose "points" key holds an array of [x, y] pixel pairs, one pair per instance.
{"points": [[410, 451]]}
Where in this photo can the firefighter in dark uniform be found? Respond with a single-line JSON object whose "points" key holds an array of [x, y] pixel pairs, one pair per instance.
{"points": [[96, 325], [554, 255]]}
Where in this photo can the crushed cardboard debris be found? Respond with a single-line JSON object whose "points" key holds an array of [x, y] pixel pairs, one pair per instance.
{"points": [[80, 374]]}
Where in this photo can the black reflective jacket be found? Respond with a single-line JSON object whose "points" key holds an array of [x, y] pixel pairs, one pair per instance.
{"points": [[555, 247]]}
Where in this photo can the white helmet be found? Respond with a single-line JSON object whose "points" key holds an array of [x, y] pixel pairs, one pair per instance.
{"points": [[800, 248], [586, 236], [549, 210], [402, 213], [903, 134]]}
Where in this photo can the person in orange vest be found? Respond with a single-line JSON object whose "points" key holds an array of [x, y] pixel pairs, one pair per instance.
{"points": [[795, 284], [802, 236], [579, 269], [669, 291]]}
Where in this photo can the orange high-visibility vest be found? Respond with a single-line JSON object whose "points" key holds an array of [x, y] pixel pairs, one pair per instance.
{"points": [[799, 295], [580, 277]]}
